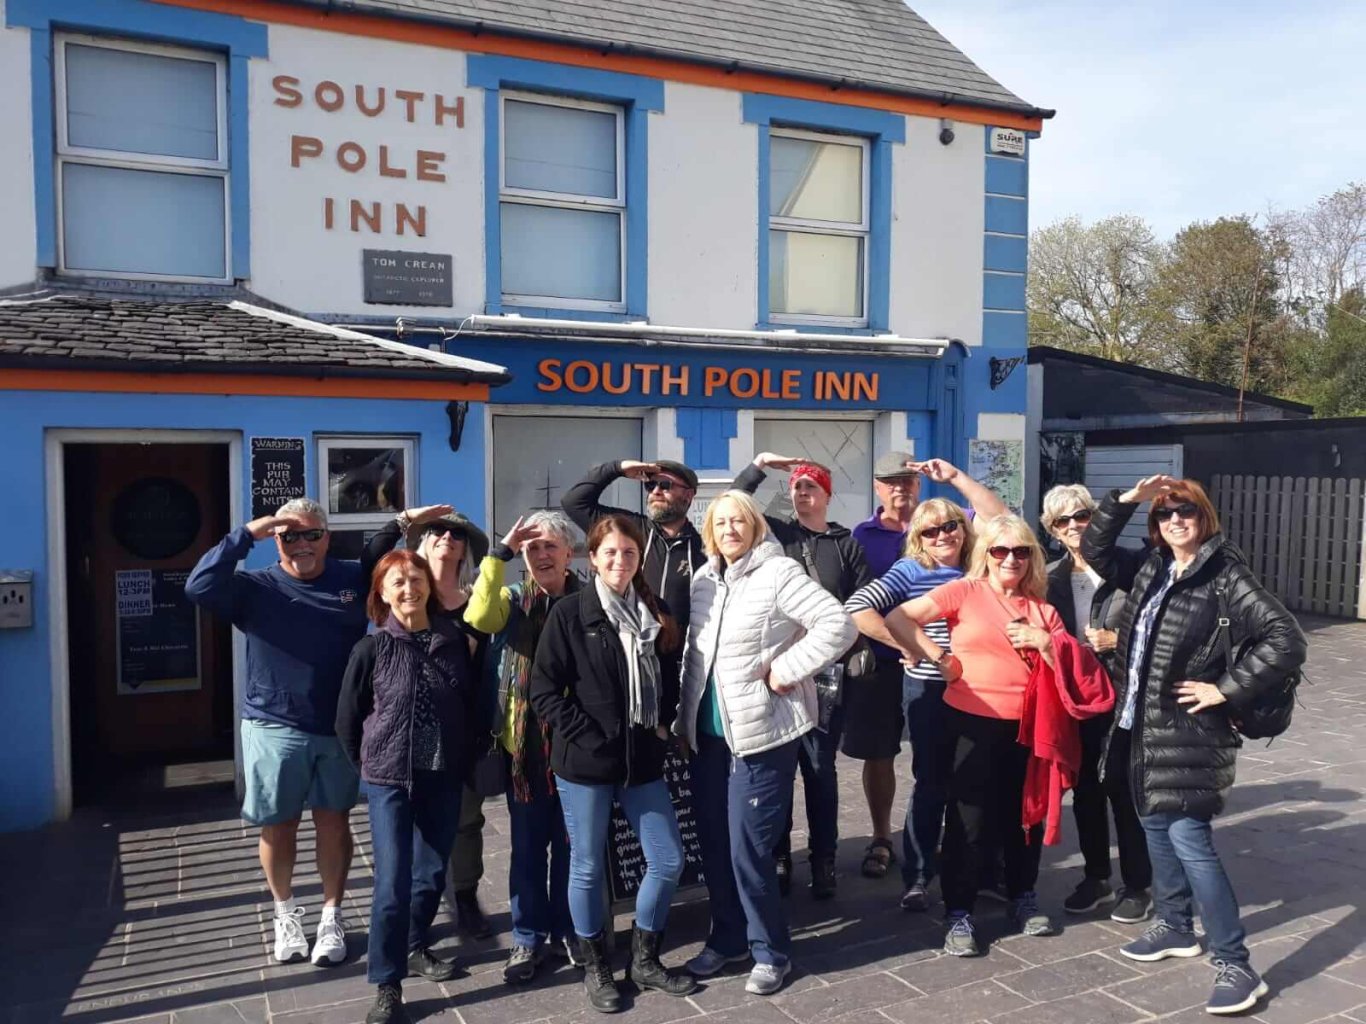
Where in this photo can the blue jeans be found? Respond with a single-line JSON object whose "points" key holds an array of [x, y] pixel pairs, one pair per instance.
{"points": [[587, 815], [411, 834], [742, 805], [1187, 873], [816, 760], [924, 709], [540, 858]]}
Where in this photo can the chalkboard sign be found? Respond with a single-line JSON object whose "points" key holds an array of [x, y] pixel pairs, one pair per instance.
{"points": [[277, 473], [625, 858], [158, 632]]}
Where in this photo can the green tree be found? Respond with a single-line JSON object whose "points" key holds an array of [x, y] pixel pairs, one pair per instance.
{"points": [[1222, 318], [1090, 287], [1331, 369]]}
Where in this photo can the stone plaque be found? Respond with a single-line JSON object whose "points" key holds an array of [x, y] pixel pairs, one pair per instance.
{"points": [[395, 278]]}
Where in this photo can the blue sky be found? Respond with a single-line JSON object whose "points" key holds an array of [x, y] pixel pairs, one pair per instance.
{"points": [[1176, 111]]}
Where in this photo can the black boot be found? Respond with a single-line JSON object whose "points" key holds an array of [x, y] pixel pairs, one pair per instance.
{"points": [[388, 1007], [597, 974], [646, 970], [469, 918], [822, 877]]}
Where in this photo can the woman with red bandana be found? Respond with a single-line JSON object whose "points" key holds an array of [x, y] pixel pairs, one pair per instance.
{"points": [[830, 556]]}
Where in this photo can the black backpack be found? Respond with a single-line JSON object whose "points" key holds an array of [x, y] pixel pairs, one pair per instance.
{"points": [[1269, 715]]}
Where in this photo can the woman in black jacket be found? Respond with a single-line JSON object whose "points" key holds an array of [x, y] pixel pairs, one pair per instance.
{"points": [[1090, 608], [1178, 699], [403, 719], [606, 680]]}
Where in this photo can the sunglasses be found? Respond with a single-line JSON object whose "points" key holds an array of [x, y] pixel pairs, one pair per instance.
{"points": [[1081, 517], [947, 529], [661, 485], [1021, 553], [443, 530], [291, 536], [899, 483], [1186, 510]]}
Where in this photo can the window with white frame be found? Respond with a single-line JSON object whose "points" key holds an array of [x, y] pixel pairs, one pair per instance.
{"points": [[142, 160], [366, 481], [818, 228], [562, 202]]}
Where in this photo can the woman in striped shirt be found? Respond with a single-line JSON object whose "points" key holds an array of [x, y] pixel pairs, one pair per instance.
{"points": [[937, 541]]}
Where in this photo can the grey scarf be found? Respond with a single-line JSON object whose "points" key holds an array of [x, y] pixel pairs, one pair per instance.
{"points": [[637, 629]]}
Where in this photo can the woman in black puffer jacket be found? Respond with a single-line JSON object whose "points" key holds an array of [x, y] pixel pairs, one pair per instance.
{"points": [[1177, 698]]}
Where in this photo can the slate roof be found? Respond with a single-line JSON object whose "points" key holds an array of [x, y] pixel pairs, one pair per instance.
{"points": [[876, 44], [93, 332]]}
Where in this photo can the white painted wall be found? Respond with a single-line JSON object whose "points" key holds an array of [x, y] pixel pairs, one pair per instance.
{"points": [[704, 204], [938, 212], [296, 260], [17, 230], [703, 192]]}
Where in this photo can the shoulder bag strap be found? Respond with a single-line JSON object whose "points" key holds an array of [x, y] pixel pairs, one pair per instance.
{"points": [[1225, 633]]}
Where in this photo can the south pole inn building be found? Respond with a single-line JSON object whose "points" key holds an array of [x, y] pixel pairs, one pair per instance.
{"points": [[397, 252]]}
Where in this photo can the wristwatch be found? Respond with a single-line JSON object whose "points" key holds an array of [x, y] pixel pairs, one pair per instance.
{"points": [[403, 522]]}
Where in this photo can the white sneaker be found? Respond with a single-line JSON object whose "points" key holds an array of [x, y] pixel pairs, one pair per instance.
{"points": [[290, 943], [708, 962], [329, 945], [765, 979]]}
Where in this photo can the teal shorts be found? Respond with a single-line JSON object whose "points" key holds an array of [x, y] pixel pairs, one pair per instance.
{"points": [[288, 769]]}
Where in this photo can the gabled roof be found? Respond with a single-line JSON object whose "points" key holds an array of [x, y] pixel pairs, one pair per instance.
{"points": [[873, 44], [97, 332]]}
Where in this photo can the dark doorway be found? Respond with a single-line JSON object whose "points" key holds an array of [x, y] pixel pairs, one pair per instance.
{"points": [[151, 676]]}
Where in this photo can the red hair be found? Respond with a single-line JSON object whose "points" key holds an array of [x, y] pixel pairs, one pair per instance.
{"points": [[1183, 491], [375, 605]]}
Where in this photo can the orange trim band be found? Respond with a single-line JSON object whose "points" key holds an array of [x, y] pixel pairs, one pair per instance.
{"points": [[450, 37], [237, 384]]}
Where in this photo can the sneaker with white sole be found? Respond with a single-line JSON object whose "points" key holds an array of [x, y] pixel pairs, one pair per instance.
{"points": [[1160, 941], [765, 979], [708, 962], [290, 941], [1237, 987], [329, 945]]}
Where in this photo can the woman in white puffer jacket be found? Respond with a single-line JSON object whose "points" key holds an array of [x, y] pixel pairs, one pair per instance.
{"points": [[760, 629]]}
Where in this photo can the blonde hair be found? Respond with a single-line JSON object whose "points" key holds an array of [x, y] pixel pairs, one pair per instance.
{"points": [[931, 512], [1062, 500], [750, 512], [993, 530], [465, 574]]}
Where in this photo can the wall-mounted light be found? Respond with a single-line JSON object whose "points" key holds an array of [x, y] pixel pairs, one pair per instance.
{"points": [[945, 131]]}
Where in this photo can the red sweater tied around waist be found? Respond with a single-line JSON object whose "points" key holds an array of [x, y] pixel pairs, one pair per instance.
{"points": [[1056, 698]]}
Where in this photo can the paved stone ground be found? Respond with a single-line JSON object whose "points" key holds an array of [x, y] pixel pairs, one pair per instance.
{"points": [[162, 918]]}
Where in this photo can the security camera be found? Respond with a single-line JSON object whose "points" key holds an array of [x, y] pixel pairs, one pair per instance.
{"points": [[945, 131]]}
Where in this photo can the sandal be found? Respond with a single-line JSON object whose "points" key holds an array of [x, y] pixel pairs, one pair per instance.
{"points": [[877, 858]]}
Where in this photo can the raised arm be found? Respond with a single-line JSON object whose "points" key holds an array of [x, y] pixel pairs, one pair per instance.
{"points": [[983, 499], [214, 582], [581, 502], [1100, 543]]}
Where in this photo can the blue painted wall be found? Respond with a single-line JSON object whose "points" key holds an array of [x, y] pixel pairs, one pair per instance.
{"points": [[26, 751]]}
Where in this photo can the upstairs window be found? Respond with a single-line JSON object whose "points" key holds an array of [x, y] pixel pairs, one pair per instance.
{"points": [[142, 160], [562, 203], [818, 228]]}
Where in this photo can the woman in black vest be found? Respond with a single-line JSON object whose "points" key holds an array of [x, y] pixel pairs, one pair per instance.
{"points": [[403, 719], [1090, 608]]}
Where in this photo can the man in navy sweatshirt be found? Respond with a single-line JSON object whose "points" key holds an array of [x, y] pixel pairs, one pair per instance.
{"points": [[301, 618]]}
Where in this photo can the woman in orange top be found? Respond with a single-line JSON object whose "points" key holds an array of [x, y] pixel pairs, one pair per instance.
{"points": [[996, 614]]}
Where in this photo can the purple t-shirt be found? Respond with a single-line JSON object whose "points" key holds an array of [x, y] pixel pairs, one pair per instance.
{"points": [[881, 545]]}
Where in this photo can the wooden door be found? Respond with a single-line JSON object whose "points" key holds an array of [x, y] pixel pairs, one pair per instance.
{"points": [[151, 675]]}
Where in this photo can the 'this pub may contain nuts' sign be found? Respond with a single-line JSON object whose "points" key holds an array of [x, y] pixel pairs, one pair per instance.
{"points": [[277, 473]]}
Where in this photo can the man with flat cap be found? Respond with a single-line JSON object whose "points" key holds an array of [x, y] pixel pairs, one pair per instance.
{"points": [[673, 549]]}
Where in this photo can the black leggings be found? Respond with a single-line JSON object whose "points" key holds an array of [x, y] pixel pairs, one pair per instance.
{"points": [[986, 771]]}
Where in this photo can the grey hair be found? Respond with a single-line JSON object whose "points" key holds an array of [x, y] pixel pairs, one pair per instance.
{"points": [[303, 507], [553, 521], [1063, 499]]}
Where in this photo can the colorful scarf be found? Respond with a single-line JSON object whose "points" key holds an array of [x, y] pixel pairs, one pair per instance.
{"points": [[514, 683]]}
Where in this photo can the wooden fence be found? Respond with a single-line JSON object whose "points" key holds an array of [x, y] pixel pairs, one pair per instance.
{"points": [[1302, 536]]}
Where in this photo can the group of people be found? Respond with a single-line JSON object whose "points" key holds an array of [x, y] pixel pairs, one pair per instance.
{"points": [[754, 648]]}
